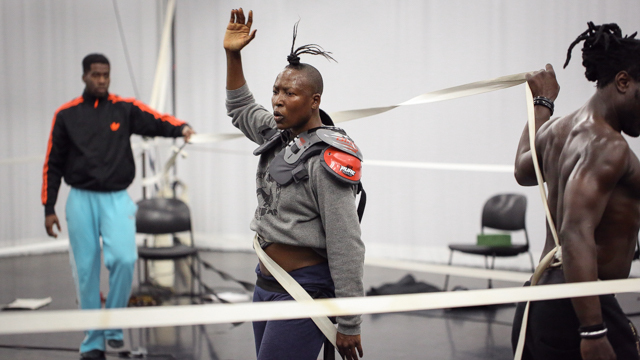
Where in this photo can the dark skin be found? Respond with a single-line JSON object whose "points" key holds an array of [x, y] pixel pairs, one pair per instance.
{"points": [[593, 180], [296, 108], [96, 82]]}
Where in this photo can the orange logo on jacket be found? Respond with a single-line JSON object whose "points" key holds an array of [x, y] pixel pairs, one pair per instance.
{"points": [[115, 126]]}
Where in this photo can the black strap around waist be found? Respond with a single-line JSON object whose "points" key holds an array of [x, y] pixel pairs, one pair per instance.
{"points": [[270, 285]]}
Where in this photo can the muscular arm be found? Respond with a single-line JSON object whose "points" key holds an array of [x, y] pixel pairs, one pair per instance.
{"points": [[542, 83], [586, 196]]}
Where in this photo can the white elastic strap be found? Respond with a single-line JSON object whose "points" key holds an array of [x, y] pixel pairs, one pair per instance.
{"points": [[478, 87], [295, 290], [212, 137], [478, 273], [542, 266], [442, 166], [159, 91], [455, 92], [534, 154], [548, 259], [185, 315]]}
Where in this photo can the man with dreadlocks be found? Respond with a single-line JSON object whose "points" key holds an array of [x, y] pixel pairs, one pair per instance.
{"points": [[307, 179], [593, 179]]}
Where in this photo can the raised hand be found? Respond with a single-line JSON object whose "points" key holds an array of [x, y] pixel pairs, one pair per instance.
{"points": [[544, 83], [238, 33]]}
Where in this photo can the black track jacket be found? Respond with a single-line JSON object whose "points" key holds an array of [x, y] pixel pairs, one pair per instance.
{"points": [[90, 147]]}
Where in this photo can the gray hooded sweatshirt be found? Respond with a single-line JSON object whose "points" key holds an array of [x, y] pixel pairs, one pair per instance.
{"points": [[319, 212]]}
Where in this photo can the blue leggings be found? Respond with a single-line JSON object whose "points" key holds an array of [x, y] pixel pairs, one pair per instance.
{"points": [[298, 339], [112, 215]]}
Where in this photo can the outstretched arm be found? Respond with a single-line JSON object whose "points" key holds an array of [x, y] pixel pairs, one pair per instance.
{"points": [[237, 36], [542, 83]]}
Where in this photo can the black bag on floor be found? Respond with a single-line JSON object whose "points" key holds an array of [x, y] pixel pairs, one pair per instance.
{"points": [[406, 285]]}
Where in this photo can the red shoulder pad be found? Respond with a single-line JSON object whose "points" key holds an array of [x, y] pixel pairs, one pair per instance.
{"points": [[345, 166]]}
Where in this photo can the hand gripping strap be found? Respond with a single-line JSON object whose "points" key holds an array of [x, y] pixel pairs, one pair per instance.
{"points": [[295, 290], [344, 166]]}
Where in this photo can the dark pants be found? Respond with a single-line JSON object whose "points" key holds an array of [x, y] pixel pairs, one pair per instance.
{"points": [[298, 339], [552, 331]]}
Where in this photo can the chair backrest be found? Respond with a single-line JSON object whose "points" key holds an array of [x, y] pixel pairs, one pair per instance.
{"points": [[505, 212], [162, 216]]}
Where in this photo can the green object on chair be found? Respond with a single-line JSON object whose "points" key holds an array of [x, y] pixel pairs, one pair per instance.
{"points": [[494, 239]]}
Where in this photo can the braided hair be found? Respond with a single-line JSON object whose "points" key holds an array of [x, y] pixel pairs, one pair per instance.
{"points": [[606, 52], [311, 73], [313, 49]]}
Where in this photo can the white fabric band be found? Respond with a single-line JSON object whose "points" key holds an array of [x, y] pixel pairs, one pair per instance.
{"points": [[556, 252], [442, 166], [213, 137], [77, 320], [478, 273], [295, 290], [455, 92]]}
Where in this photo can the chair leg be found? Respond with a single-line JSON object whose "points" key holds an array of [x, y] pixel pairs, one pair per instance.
{"points": [[486, 266], [200, 285], [139, 271], [146, 271], [533, 268], [493, 263], [446, 278], [192, 278]]}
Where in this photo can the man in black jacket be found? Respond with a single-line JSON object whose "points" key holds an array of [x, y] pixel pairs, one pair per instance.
{"points": [[90, 147]]}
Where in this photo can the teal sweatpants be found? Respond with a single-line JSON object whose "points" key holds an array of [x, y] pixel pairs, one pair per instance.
{"points": [[112, 216]]}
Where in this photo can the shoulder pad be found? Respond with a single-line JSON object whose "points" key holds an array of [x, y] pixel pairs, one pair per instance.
{"points": [[345, 166], [339, 139], [298, 147], [328, 135], [289, 164], [272, 138]]}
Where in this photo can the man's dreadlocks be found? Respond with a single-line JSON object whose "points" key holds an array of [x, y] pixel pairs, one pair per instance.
{"points": [[606, 52]]}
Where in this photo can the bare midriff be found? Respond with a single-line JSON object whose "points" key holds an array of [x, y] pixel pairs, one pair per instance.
{"points": [[291, 257]]}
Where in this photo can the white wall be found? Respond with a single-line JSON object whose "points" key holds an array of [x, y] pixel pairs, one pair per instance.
{"points": [[387, 52]]}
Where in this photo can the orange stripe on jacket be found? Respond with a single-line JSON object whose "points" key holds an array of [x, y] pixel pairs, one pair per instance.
{"points": [[166, 117], [45, 182]]}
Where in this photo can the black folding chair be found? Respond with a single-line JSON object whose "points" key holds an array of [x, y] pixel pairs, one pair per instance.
{"points": [[501, 212], [160, 216]]}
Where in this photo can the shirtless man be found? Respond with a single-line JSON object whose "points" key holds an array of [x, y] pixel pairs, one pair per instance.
{"points": [[308, 226], [593, 180]]}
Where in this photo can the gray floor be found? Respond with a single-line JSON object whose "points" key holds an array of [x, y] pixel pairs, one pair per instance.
{"points": [[479, 333]]}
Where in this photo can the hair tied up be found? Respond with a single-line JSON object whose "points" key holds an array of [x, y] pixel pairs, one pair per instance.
{"points": [[294, 57], [595, 34]]}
